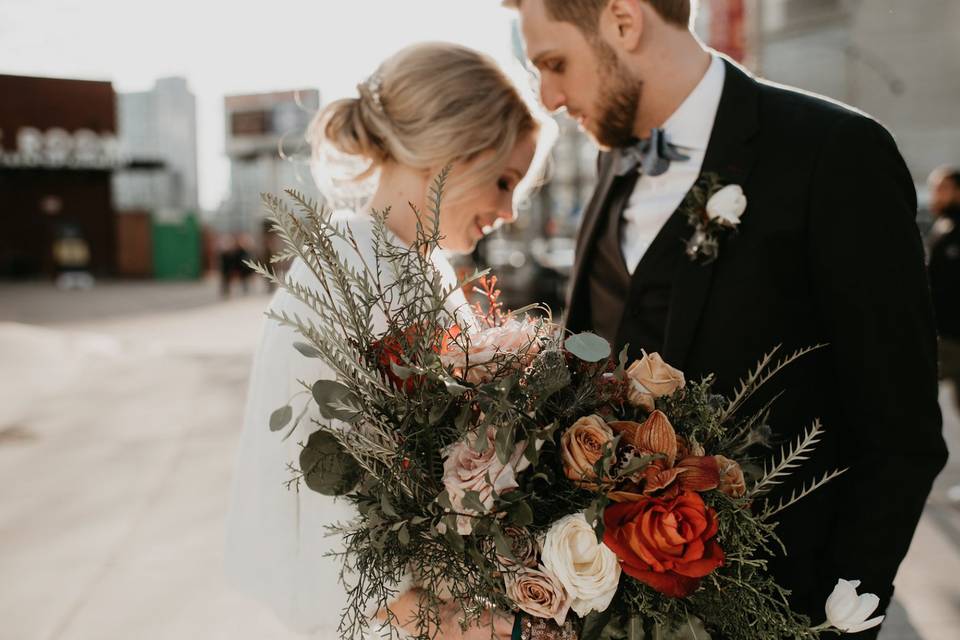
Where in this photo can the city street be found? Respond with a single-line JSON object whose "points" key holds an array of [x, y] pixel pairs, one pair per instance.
{"points": [[120, 412]]}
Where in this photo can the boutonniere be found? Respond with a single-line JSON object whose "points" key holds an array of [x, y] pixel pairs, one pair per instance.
{"points": [[713, 210]]}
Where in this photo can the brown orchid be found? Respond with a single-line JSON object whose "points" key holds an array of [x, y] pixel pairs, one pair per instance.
{"points": [[665, 475]]}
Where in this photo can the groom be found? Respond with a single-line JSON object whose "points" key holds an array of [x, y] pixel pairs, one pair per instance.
{"points": [[826, 252]]}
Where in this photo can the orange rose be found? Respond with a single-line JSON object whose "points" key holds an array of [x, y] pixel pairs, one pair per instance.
{"points": [[666, 544]]}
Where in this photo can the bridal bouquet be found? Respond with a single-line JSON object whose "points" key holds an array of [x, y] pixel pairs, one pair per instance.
{"points": [[499, 462]]}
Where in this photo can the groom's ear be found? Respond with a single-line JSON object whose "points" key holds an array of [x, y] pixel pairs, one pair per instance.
{"points": [[622, 23]]}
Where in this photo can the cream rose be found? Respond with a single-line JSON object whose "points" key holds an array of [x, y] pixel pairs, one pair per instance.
{"points": [[727, 205], [588, 570], [465, 469], [581, 446], [650, 378], [488, 347], [539, 593]]}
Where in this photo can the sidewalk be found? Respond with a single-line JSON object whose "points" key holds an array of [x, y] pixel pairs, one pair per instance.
{"points": [[117, 436]]}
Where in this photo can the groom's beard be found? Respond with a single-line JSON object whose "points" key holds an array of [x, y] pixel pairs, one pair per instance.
{"points": [[618, 102]]}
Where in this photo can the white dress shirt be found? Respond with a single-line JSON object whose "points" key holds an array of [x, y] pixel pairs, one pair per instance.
{"points": [[655, 198]]}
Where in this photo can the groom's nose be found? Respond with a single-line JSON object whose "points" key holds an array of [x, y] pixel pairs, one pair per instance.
{"points": [[551, 96]]}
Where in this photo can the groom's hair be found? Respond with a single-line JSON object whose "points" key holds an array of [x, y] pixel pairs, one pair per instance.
{"points": [[585, 14]]}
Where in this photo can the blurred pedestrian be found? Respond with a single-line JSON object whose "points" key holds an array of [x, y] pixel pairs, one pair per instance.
{"points": [[945, 270], [228, 253], [245, 252]]}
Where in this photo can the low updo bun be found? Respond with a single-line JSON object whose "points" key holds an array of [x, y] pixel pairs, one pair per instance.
{"points": [[349, 127]]}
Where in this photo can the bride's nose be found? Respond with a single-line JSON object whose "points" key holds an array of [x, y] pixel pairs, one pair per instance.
{"points": [[506, 211]]}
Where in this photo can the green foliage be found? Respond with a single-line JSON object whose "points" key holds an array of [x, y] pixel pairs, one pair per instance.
{"points": [[326, 465]]}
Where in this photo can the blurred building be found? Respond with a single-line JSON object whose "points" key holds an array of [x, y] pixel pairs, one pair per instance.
{"points": [[155, 193], [58, 150], [264, 142], [898, 61], [157, 130]]}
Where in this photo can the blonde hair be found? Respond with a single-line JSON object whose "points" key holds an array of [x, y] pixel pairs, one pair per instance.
{"points": [[429, 105]]}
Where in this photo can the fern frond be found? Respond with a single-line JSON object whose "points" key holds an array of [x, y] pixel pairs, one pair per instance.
{"points": [[798, 495], [790, 460]]}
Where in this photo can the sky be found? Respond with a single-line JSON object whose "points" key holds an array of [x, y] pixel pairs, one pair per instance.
{"points": [[227, 48]]}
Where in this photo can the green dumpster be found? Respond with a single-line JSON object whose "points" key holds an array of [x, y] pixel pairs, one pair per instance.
{"points": [[177, 249]]}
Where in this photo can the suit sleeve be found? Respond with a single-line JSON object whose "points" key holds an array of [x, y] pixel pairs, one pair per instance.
{"points": [[873, 303]]}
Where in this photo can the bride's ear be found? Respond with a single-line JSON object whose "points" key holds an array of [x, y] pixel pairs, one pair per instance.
{"points": [[622, 23]]}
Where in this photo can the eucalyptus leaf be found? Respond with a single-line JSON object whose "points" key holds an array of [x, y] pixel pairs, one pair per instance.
{"points": [[594, 516], [454, 538], [281, 417], [334, 400], [587, 346], [386, 507], [307, 349], [621, 370], [532, 452], [504, 443], [504, 547], [471, 500], [464, 417], [444, 501], [476, 556], [404, 535], [401, 371], [454, 388], [293, 427], [327, 468], [520, 514], [481, 442]]}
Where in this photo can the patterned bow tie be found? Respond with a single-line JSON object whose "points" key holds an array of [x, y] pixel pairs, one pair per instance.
{"points": [[652, 156]]}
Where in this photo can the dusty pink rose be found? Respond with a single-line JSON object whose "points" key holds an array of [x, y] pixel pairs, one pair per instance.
{"points": [[465, 469], [491, 348], [539, 593]]}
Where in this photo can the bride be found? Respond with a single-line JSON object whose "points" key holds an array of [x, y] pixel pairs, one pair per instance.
{"points": [[428, 106]]}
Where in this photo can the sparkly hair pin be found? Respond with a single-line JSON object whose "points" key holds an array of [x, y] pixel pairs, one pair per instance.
{"points": [[372, 86]]}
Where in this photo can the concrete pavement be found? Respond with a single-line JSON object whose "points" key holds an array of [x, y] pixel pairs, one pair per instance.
{"points": [[119, 417]]}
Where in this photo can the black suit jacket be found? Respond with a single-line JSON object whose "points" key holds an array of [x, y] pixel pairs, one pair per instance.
{"points": [[827, 252]]}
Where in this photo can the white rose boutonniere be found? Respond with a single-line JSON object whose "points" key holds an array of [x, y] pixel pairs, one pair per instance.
{"points": [[713, 210], [727, 205]]}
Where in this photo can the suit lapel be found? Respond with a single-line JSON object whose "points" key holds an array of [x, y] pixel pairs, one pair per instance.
{"points": [[730, 155]]}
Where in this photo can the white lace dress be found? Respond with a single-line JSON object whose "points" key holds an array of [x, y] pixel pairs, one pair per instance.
{"points": [[275, 537]]}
